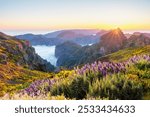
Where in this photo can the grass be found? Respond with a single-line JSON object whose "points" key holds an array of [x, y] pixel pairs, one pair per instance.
{"points": [[13, 77], [125, 54]]}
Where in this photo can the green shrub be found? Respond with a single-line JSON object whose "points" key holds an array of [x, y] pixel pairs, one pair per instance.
{"points": [[141, 69], [61, 87], [79, 87], [117, 87], [71, 88], [143, 65]]}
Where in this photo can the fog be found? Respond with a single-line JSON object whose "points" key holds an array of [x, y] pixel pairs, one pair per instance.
{"points": [[47, 53]]}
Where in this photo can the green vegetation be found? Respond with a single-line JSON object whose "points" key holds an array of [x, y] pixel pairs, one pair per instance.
{"points": [[14, 78], [130, 85], [125, 54], [95, 81]]}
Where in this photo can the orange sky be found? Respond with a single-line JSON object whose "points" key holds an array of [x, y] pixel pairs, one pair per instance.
{"points": [[31, 15]]}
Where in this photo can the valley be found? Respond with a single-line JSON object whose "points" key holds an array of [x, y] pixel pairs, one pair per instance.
{"points": [[46, 52]]}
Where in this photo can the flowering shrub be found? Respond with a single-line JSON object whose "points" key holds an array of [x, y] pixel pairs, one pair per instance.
{"points": [[19, 96], [117, 86], [105, 74], [39, 87], [106, 68]]}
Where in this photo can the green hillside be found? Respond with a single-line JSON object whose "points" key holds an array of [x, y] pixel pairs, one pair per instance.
{"points": [[123, 55]]}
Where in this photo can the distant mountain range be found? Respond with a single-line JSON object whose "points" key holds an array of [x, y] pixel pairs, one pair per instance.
{"points": [[79, 36], [110, 42], [136, 33]]}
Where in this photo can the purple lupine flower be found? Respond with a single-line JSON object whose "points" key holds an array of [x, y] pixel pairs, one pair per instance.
{"points": [[110, 67], [35, 88]]}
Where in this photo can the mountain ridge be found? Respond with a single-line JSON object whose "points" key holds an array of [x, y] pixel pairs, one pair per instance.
{"points": [[110, 42], [79, 36]]}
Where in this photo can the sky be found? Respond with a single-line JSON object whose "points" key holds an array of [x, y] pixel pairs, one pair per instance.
{"points": [[41, 16]]}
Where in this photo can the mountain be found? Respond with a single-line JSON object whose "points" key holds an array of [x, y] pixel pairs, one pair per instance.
{"points": [[39, 39], [30, 37], [82, 37], [112, 41], [137, 40], [147, 34], [67, 47], [69, 35], [76, 31], [72, 54], [79, 36], [127, 35], [21, 53], [65, 50], [136, 33], [109, 42]]}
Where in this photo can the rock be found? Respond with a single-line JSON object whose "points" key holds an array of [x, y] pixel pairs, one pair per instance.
{"points": [[21, 53]]}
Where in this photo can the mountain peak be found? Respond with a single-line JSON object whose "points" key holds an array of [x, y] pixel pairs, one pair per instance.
{"points": [[112, 41], [117, 31]]}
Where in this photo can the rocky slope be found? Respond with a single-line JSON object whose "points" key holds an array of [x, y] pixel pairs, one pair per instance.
{"points": [[21, 53], [137, 40], [72, 54], [66, 48]]}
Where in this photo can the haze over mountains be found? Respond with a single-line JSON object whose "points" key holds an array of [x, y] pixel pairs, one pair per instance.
{"points": [[79, 36]]}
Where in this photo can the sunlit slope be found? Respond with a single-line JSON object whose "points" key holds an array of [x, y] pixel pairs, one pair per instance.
{"points": [[125, 54], [18, 62]]}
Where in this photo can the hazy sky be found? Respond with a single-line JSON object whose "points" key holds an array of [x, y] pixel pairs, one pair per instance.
{"points": [[45, 15]]}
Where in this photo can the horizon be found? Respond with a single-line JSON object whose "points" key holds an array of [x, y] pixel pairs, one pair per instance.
{"points": [[14, 33], [40, 16]]}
